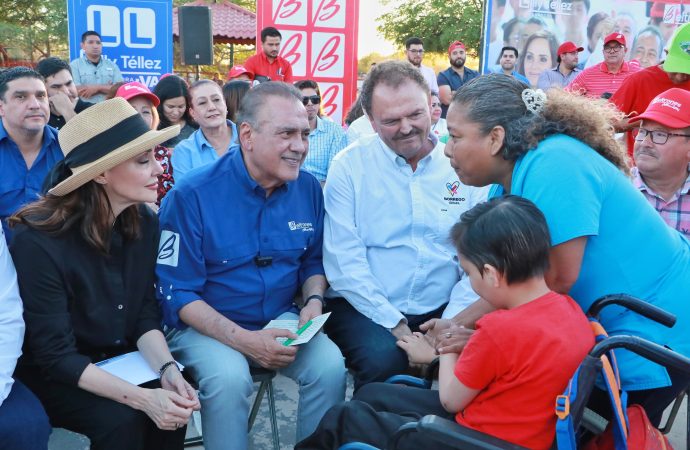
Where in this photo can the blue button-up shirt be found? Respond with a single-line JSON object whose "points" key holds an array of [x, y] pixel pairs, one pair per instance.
{"points": [[450, 77], [85, 72], [196, 151], [325, 141], [19, 184], [554, 78], [386, 246], [216, 222]]}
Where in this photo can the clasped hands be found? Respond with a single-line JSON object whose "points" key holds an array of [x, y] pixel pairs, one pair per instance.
{"points": [[440, 336]]}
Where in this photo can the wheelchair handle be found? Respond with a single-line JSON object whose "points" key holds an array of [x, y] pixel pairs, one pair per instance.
{"points": [[646, 349], [634, 304]]}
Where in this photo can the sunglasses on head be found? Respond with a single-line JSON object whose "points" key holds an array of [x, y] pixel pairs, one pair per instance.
{"points": [[315, 99]]}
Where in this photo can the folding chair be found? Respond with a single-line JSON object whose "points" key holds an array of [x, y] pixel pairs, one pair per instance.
{"points": [[265, 379], [451, 433]]}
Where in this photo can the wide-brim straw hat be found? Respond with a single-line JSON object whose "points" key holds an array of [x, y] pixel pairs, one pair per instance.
{"points": [[99, 138]]}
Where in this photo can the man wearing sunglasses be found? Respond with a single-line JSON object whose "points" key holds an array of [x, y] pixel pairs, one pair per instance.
{"points": [[326, 138], [662, 154]]}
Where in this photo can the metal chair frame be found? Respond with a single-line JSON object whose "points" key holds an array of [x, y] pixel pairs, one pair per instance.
{"points": [[265, 379]]}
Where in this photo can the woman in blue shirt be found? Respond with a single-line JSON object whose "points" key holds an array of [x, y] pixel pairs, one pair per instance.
{"points": [[560, 153]]}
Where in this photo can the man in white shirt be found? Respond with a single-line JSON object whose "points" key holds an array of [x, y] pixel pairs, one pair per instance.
{"points": [[414, 50], [23, 422], [391, 199]]}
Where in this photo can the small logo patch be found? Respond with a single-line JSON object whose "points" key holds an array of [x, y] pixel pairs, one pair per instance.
{"points": [[169, 248], [304, 226]]}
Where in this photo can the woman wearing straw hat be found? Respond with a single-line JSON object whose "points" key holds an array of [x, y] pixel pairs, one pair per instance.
{"points": [[85, 256]]}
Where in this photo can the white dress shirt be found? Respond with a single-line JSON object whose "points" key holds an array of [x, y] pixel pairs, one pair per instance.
{"points": [[11, 322], [360, 127], [386, 233]]}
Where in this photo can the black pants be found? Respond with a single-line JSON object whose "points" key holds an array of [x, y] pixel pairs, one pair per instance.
{"points": [[376, 411], [108, 424], [654, 401], [369, 349]]}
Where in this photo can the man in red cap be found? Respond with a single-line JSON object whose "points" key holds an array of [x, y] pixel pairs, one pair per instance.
{"points": [[662, 153], [565, 71], [452, 79], [607, 76], [640, 88]]}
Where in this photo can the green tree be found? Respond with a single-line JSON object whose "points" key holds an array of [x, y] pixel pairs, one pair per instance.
{"points": [[437, 22], [31, 29]]}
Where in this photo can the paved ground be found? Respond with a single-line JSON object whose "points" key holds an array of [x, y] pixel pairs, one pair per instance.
{"points": [[286, 404]]}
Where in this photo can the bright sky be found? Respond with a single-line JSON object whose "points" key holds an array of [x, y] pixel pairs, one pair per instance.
{"points": [[369, 38]]}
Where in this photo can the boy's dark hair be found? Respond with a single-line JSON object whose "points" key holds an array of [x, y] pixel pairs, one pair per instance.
{"points": [[413, 41], [14, 73], [513, 49], [270, 31], [86, 34], [50, 66], [508, 233]]}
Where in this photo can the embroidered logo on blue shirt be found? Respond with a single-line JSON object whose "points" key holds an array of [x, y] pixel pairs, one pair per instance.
{"points": [[169, 248], [304, 226]]}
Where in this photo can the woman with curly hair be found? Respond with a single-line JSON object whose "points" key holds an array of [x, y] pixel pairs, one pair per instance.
{"points": [[559, 152]]}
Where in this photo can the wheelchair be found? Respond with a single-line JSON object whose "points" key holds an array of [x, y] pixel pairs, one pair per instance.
{"points": [[450, 433]]}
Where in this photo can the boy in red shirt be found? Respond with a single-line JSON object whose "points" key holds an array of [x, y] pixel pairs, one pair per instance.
{"points": [[516, 362]]}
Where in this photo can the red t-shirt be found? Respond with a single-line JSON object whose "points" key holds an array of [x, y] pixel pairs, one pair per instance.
{"points": [[638, 90], [279, 70], [521, 359]]}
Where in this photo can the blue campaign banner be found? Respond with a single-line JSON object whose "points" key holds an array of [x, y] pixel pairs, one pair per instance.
{"points": [[136, 34]]}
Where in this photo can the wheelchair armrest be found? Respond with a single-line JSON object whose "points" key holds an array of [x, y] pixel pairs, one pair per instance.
{"points": [[453, 434], [634, 304], [646, 349], [424, 383], [409, 380]]}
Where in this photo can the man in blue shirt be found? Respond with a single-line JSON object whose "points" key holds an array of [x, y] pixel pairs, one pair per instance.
{"points": [[28, 146], [452, 79], [92, 73], [239, 239], [508, 61], [326, 138]]}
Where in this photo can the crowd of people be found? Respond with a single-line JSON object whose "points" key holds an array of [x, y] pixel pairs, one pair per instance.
{"points": [[458, 216]]}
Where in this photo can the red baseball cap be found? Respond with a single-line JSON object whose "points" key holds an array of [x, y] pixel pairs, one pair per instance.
{"points": [[236, 71], [454, 45], [670, 108], [569, 47], [136, 89], [615, 37]]}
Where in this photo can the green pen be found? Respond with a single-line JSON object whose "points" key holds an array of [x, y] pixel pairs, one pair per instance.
{"points": [[300, 331]]}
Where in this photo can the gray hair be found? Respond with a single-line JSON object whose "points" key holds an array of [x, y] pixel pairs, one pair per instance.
{"points": [[651, 30], [392, 74], [258, 98]]}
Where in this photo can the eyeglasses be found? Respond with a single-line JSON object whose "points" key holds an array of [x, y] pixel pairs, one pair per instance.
{"points": [[315, 99], [613, 48], [658, 137], [416, 51]]}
